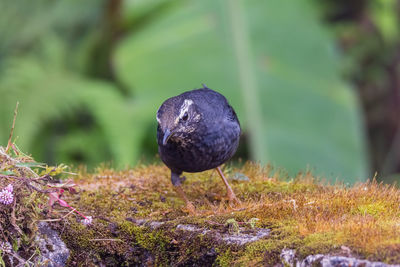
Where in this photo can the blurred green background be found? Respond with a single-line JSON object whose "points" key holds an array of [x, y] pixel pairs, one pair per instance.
{"points": [[316, 84]]}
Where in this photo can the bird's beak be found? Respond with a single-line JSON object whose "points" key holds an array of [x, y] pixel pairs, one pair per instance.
{"points": [[167, 135]]}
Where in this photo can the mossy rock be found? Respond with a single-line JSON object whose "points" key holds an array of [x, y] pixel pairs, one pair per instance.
{"points": [[138, 219]]}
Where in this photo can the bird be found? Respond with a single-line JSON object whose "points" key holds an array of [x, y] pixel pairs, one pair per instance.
{"points": [[197, 130]]}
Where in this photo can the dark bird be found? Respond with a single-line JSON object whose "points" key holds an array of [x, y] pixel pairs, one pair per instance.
{"points": [[197, 130]]}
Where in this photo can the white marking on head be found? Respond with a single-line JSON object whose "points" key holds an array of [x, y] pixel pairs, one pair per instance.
{"points": [[184, 108], [157, 118]]}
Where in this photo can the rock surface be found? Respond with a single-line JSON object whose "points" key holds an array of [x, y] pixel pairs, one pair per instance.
{"points": [[53, 251], [289, 258], [241, 237]]}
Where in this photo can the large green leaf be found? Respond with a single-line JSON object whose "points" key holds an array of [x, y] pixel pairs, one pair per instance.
{"points": [[276, 64], [47, 92]]}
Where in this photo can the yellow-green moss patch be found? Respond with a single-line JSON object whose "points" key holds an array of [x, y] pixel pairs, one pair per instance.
{"points": [[302, 213]]}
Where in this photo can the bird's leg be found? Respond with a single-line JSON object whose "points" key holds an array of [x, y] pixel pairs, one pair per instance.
{"points": [[229, 192], [176, 182]]}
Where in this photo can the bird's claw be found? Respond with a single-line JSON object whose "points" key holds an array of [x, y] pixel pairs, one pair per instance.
{"points": [[182, 179], [233, 200]]}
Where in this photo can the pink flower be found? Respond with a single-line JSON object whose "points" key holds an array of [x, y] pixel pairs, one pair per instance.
{"points": [[88, 220], [10, 188], [6, 197], [6, 247]]}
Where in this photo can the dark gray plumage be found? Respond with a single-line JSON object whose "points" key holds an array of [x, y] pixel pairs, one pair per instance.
{"points": [[197, 130]]}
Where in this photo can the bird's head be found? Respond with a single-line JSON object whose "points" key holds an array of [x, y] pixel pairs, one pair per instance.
{"points": [[177, 118]]}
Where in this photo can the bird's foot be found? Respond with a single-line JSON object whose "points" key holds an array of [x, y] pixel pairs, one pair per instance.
{"points": [[182, 179], [189, 206], [233, 200]]}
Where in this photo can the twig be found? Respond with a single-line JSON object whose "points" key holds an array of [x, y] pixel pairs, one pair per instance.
{"points": [[14, 148], [7, 177], [59, 219], [31, 257], [29, 183], [15, 162], [13, 219], [40, 190], [16, 177], [21, 260], [12, 128]]}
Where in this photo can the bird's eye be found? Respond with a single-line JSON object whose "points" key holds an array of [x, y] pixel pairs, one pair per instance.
{"points": [[185, 117]]}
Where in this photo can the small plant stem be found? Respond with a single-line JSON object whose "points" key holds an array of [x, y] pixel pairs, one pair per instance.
{"points": [[75, 210], [59, 219], [9, 144]]}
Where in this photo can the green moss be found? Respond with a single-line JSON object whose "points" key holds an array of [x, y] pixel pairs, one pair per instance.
{"points": [[375, 209], [224, 258], [318, 243], [153, 240], [302, 214], [267, 251], [82, 235]]}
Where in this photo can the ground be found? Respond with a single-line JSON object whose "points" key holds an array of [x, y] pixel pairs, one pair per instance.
{"points": [[138, 218], [301, 213]]}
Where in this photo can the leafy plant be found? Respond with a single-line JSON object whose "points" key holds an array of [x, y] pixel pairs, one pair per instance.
{"points": [[274, 61], [22, 197]]}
